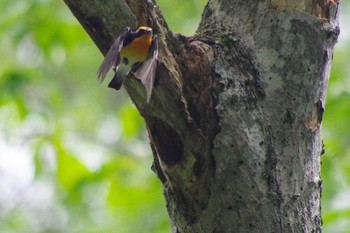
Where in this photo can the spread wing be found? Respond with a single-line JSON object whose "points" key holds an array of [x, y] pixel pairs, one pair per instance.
{"points": [[147, 71], [112, 58]]}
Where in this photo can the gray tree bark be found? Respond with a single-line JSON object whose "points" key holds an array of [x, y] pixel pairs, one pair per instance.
{"points": [[235, 116]]}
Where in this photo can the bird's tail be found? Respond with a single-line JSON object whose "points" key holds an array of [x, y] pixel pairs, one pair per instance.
{"points": [[118, 79]]}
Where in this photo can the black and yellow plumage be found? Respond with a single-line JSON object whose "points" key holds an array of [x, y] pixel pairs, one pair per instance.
{"points": [[132, 51]]}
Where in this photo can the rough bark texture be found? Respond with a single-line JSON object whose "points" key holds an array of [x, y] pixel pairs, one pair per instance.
{"points": [[235, 116]]}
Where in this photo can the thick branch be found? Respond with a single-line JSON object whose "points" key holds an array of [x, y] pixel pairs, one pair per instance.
{"points": [[235, 116]]}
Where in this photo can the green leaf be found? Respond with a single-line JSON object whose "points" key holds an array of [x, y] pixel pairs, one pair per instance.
{"points": [[70, 171]]}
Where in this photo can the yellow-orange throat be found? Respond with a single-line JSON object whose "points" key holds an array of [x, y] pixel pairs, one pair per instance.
{"points": [[138, 49]]}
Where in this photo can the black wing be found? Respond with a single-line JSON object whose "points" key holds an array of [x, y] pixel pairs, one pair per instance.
{"points": [[112, 58], [147, 71]]}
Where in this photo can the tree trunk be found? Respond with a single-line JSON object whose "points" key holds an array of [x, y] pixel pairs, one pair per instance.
{"points": [[235, 116]]}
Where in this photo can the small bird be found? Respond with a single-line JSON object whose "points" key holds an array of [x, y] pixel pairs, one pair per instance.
{"points": [[135, 51]]}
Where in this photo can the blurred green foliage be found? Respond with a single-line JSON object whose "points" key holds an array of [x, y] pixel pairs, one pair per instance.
{"points": [[74, 156], [336, 134]]}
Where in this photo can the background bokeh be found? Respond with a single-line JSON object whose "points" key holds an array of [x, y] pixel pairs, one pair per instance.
{"points": [[74, 156]]}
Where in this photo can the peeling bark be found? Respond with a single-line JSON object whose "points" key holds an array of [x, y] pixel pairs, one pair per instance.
{"points": [[235, 116]]}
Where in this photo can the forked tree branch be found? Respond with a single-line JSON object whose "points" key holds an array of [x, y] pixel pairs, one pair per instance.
{"points": [[235, 116]]}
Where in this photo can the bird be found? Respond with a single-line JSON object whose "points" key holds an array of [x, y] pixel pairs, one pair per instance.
{"points": [[133, 51]]}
